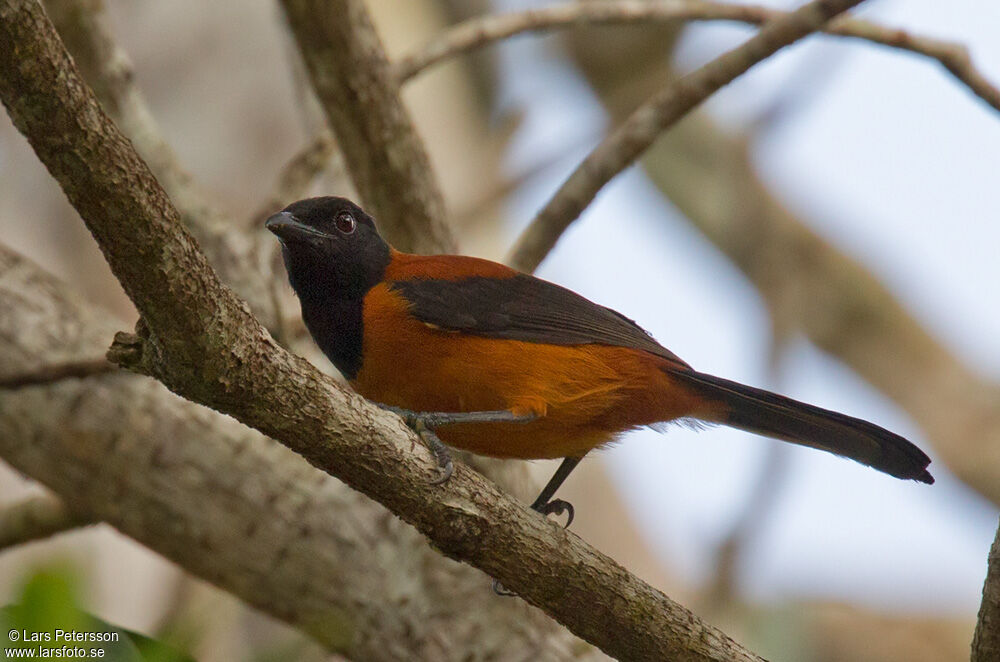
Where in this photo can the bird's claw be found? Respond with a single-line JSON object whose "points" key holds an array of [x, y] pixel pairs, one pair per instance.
{"points": [[499, 589], [424, 427], [558, 507], [444, 472]]}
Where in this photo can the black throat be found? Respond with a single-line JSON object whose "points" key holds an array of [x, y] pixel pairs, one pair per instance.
{"points": [[337, 326], [332, 295]]}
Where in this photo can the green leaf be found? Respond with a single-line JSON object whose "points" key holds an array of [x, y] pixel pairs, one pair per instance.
{"points": [[48, 613]]}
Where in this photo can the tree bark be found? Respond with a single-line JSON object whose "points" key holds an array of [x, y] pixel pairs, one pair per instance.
{"points": [[986, 641]]}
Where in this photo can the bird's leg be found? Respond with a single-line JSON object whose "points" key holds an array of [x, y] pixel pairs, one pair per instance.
{"points": [[425, 422], [435, 419]]}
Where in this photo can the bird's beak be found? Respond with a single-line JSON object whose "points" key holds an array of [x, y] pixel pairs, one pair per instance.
{"points": [[288, 228]]}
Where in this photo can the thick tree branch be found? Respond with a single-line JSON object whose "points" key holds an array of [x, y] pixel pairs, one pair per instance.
{"points": [[986, 641], [108, 70], [650, 120], [204, 344], [482, 31], [360, 96], [233, 507], [243, 256], [37, 517]]}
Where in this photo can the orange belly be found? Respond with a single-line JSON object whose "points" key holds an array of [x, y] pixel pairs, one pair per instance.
{"points": [[583, 396]]}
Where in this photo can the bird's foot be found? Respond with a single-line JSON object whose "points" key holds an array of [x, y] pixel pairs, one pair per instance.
{"points": [[441, 453], [423, 424], [556, 507]]}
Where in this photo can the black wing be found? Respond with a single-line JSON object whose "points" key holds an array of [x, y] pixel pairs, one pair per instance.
{"points": [[523, 308]]}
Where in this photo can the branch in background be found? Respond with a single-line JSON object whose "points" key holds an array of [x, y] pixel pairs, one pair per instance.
{"points": [[235, 508], [297, 176], [360, 96], [832, 298], [986, 641], [758, 506], [292, 184], [35, 518], [650, 120], [53, 372], [482, 31], [201, 341]]}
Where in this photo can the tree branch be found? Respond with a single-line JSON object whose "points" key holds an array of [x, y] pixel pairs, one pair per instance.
{"points": [[235, 508], [650, 120], [986, 641], [360, 96], [52, 372], [34, 518], [204, 344], [484, 30]]}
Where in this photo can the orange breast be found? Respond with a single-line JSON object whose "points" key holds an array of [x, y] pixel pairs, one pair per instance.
{"points": [[583, 395]]}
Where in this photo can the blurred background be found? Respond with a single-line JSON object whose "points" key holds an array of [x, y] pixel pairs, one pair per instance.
{"points": [[871, 154]]}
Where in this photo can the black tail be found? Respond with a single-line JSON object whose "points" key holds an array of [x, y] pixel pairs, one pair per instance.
{"points": [[773, 415]]}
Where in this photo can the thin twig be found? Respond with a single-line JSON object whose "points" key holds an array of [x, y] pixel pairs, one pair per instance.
{"points": [[37, 517], [56, 371], [482, 31], [652, 118], [986, 641]]}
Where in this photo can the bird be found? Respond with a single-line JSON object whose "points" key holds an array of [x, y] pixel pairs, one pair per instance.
{"points": [[478, 356]]}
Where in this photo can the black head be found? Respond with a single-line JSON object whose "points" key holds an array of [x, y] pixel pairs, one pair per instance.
{"points": [[331, 247]]}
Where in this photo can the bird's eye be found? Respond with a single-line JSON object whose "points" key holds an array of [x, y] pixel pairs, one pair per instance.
{"points": [[345, 222]]}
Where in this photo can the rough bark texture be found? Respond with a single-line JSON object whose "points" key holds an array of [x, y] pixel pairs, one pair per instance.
{"points": [[433, 583], [203, 343], [360, 96], [986, 642]]}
